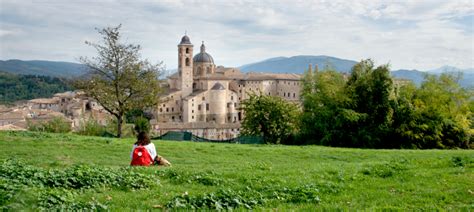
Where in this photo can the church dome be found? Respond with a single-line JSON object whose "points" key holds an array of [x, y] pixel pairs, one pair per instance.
{"points": [[185, 40], [203, 56], [218, 86]]}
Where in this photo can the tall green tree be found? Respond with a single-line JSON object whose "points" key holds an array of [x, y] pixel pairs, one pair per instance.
{"points": [[353, 112], [370, 91], [436, 115], [323, 99], [269, 116], [118, 78]]}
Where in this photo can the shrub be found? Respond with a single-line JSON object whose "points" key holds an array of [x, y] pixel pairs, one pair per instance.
{"points": [[56, 125], [92, 128], [142, 125]]}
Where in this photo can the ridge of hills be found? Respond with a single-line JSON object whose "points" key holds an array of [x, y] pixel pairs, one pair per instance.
{"points": [[294, 64]]}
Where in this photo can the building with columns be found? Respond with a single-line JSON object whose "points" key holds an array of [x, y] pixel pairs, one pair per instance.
{"points": [[204, 99]]}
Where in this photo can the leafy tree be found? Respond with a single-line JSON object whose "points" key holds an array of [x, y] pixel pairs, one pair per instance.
{"points": [[369, 90], [436, 115], [270, 116], [355, 112], [323, 98], [118, 79]]}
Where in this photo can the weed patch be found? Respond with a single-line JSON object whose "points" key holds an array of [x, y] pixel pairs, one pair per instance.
{"points": [[458, 161], [203, 178], [386, 169], [63, 199], [247, 198], [75, 177]]}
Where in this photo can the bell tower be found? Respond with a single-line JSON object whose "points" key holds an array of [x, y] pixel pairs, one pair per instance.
{"points": [[185, 66]]}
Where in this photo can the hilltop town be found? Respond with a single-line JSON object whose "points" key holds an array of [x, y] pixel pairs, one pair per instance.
{"points": [[201, 98]]}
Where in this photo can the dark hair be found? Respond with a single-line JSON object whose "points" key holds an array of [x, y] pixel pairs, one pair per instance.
{"points": [[142, 139]]}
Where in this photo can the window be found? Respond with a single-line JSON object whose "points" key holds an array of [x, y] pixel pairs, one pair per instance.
{"points": [[187, 50], [188, 63], [207, 106], [192, 117], [294, 95], [199, 107], [192, 111], [167, 110], [235, 104], [228, 104], [208, 70], [172, 117], [172, 109], [203, 98], [231, 97]]}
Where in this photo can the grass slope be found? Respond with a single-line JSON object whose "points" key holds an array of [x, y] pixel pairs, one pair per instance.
{"points": [[271, 176]]}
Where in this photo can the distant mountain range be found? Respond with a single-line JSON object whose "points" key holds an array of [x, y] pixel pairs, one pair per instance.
{"points": [[296, 64], [42, 68]]}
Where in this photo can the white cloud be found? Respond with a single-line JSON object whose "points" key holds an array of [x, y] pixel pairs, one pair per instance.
{"points": [[409, 34]]}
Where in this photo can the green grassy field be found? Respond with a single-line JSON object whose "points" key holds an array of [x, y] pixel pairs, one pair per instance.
{"points": [[229, 175]]}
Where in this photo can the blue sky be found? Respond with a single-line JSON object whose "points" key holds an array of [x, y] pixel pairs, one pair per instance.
{"points": [[405, 33]]}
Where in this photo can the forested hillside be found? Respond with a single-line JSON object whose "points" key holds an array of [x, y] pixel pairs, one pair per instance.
{"points": [[43, 68], [21, 87]]}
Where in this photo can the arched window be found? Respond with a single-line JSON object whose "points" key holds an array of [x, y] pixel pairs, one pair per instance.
{"points": [[188, 62], [187, 50]]}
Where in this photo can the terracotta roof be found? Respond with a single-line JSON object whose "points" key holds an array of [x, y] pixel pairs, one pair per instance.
{"points": [[44, 101]]}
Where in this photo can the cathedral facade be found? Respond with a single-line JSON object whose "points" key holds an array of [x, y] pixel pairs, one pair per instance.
{"points": [[205, 99]]}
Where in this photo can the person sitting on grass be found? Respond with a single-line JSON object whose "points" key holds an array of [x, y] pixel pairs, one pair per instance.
{"points": [[144, 152]]}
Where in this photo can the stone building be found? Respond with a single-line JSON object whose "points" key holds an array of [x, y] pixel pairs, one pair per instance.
{"points": [[204, 99]]}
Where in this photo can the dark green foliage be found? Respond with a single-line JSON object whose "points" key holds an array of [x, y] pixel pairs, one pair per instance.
{"points": [[142, 124], [386, 169], [75, 177], [23, 87], [59, 187], [63, 199], [367, 110], [55, 125], [269, 116], [458, 161], [248, 197], [180, 177], [223, 199], [7, 192], [436, 115]]}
